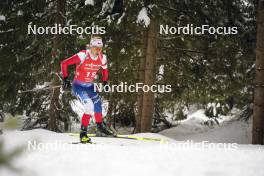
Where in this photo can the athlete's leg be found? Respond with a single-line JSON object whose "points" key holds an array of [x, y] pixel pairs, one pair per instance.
{"points": [[102, 130], [85, 119], [80, 92], [94, 96], [82, 95]]}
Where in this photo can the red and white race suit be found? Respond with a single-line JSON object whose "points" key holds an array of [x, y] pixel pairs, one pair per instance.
{"points": [[87, 66]]}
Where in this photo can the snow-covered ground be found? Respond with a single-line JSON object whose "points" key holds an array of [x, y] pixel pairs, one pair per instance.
{"points": [[189, 153], [230, 130], [112, 157]]}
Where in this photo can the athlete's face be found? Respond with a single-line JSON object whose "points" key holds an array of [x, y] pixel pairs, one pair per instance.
{"points": [[96, 50]]}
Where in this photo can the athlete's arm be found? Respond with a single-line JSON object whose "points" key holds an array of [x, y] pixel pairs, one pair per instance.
{"points": [[104, 69], [75, 59]]}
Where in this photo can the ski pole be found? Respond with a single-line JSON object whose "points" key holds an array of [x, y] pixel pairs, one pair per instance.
{"points": [[39, 89]]}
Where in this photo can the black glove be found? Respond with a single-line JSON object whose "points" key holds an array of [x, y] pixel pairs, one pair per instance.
{"points": [[66, 83], [105, 86]]}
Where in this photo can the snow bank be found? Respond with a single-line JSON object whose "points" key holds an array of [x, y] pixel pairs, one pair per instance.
{"points": [[193, 128]]}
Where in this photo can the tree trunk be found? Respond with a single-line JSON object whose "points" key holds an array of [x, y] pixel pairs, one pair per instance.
{"points": [[147, 106], [258, 113], [54, 94], [141, 79]]}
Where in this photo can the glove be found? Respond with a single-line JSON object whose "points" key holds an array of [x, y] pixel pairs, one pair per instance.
{"points": [[105, 86], [66, 83]]}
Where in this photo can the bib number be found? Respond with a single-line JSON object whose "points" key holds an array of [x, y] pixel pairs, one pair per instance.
{"points": [[90, 74]]}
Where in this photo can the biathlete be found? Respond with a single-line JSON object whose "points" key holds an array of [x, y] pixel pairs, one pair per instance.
{"points": [[88, 62]]}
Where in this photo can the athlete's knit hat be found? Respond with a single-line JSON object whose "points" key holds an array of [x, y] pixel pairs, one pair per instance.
{"points": [[96, 42]]}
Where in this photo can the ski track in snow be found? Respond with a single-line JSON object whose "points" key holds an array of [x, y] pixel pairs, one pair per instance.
{"points": [[114, 157]]}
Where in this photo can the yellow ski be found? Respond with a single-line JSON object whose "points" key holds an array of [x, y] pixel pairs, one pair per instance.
{"points": [[125, 137]]}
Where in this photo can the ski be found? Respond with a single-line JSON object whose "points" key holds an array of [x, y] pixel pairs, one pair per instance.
{"points": [[141, 138], [132, 137], [82, 143]]}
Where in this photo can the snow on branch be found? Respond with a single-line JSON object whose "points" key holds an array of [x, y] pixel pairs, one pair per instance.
{"points": [[143, 17]]}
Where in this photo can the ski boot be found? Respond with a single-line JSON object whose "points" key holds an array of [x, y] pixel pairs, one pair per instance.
{"points": [[103, 131], [84, 138]]}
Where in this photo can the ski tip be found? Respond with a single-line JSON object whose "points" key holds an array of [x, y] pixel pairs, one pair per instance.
{"points": [[82, 143]]}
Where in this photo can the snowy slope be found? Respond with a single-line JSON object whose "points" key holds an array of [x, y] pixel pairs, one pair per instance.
{"points": [[229, 130], [114, 157]]}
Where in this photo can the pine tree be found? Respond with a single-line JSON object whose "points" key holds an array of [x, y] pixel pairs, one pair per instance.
{"points": [[258, 118], [58, 49], [147, 105]]}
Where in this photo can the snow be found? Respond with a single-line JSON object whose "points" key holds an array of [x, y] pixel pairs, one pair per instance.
{"points": [[20, 13], [114, 157], [123, 51], [213, 106], [120, 19], [39, 14], [107, 6], [41, 86], [143, 17], [161, 72], [229, 129], [89, 2], [2, 18], [191, 148]]}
